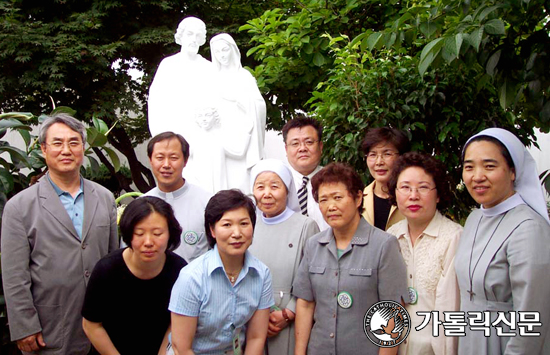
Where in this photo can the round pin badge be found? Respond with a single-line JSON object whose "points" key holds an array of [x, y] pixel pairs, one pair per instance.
{"points": [[345, 300], [413, 295], [190, 237]]}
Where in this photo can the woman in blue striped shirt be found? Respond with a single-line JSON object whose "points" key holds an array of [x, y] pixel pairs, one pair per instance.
{"points": [[220, 302]]}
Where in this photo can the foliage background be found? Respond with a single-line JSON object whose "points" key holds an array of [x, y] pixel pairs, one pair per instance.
{"points": [[441, 70]]}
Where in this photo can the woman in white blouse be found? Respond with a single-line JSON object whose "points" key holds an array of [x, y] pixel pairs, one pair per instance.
{"points": [[428, 240]]}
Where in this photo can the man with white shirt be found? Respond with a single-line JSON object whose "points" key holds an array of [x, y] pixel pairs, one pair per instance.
{"points": [[303, 145], [168, 153]]}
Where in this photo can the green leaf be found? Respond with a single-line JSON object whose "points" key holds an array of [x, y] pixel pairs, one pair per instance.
{"points": [[13, 124], [359, 39], [95, 138], [492, 63], [495, 27], [453, 44], [63, 109], [6, 181], [94, 165], [100, 125], [430, 51], [474, 38], [545, 114], [21, 116], [428, 28], [507, 93], [447, 54], [482, 82], [26, 136], [373, 40], [318, 59], [487, 11], [428, 48], [389, 39], [114, 158], [407, 16], [16, 154]]}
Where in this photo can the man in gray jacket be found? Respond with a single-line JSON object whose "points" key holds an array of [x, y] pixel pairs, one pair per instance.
{"points": [[53, 233]]}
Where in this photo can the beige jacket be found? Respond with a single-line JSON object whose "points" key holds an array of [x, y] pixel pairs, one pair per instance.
{"points": [[368, 203]]}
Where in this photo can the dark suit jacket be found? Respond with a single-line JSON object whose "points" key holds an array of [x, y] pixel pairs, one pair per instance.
{"points": [[45, 265]]}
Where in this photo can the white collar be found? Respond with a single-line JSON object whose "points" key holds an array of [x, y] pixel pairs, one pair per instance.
{"points": [[505, 206]]}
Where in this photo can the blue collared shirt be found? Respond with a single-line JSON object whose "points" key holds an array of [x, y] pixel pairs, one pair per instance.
{"points": [[204, 291], [73, 206]]}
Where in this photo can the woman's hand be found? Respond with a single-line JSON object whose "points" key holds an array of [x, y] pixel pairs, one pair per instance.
{"points": [[277, 322]]}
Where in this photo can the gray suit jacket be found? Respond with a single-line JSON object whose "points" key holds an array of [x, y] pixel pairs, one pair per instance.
{"points": [[45, 266]]}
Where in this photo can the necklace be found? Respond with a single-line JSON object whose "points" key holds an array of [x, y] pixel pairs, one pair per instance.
{"points": [[470, 271], [233, 276]]}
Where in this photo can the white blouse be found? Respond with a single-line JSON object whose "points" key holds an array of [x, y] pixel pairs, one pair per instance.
{"points": [[430, 271]]}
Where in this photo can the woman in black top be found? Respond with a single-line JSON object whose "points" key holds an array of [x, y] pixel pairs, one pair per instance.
{"points": [[381, 147], [126, 305]]}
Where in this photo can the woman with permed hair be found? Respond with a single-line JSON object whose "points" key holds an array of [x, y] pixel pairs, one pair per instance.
{"points": [[126, 305], [419, 187], [221, 300], [345, 270]]}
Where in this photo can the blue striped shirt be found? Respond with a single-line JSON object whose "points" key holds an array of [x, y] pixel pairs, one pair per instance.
{"points": [[204, 291]]}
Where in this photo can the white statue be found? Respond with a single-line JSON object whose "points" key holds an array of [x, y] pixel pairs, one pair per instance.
{"points": [[208, 147], [182, 84], [215, 105], [242, 111]]}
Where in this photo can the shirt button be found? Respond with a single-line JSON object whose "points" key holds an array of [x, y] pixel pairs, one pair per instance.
{"points": [[411, 276], [335, 294], [84, 245], [336, 273], [87, 273], [331, 335], [334, 315], [290, 245]]}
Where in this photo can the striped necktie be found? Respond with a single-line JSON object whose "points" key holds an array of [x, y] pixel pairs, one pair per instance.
{"points": [[302, 195]]}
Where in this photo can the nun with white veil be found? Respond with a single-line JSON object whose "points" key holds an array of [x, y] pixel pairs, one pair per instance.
{"points": [[279, 238], [503, 257], [241, 109]]}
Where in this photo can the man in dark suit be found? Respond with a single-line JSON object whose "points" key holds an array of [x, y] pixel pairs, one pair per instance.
{"points": [[53, 233]]}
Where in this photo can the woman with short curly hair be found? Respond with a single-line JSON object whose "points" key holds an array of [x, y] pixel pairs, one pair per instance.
{"points": [[419, 187]]}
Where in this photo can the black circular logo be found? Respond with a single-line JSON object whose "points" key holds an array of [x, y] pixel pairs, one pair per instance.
{"points": [[387, 324]]}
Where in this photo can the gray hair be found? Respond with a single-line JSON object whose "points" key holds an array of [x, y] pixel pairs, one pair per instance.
{"points": [[190, 21], [65, 119]]}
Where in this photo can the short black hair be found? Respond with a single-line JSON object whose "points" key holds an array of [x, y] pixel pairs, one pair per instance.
{"points": [[335, 173], [224, 201], [431, 166], [141, 208], [300, 121], [167, 136], [503, 150], [379, 135]]}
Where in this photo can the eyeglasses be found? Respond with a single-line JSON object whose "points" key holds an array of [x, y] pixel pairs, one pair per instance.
{"points": [[58, 146], [308, 143], [422, 190], [372, 156]]}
